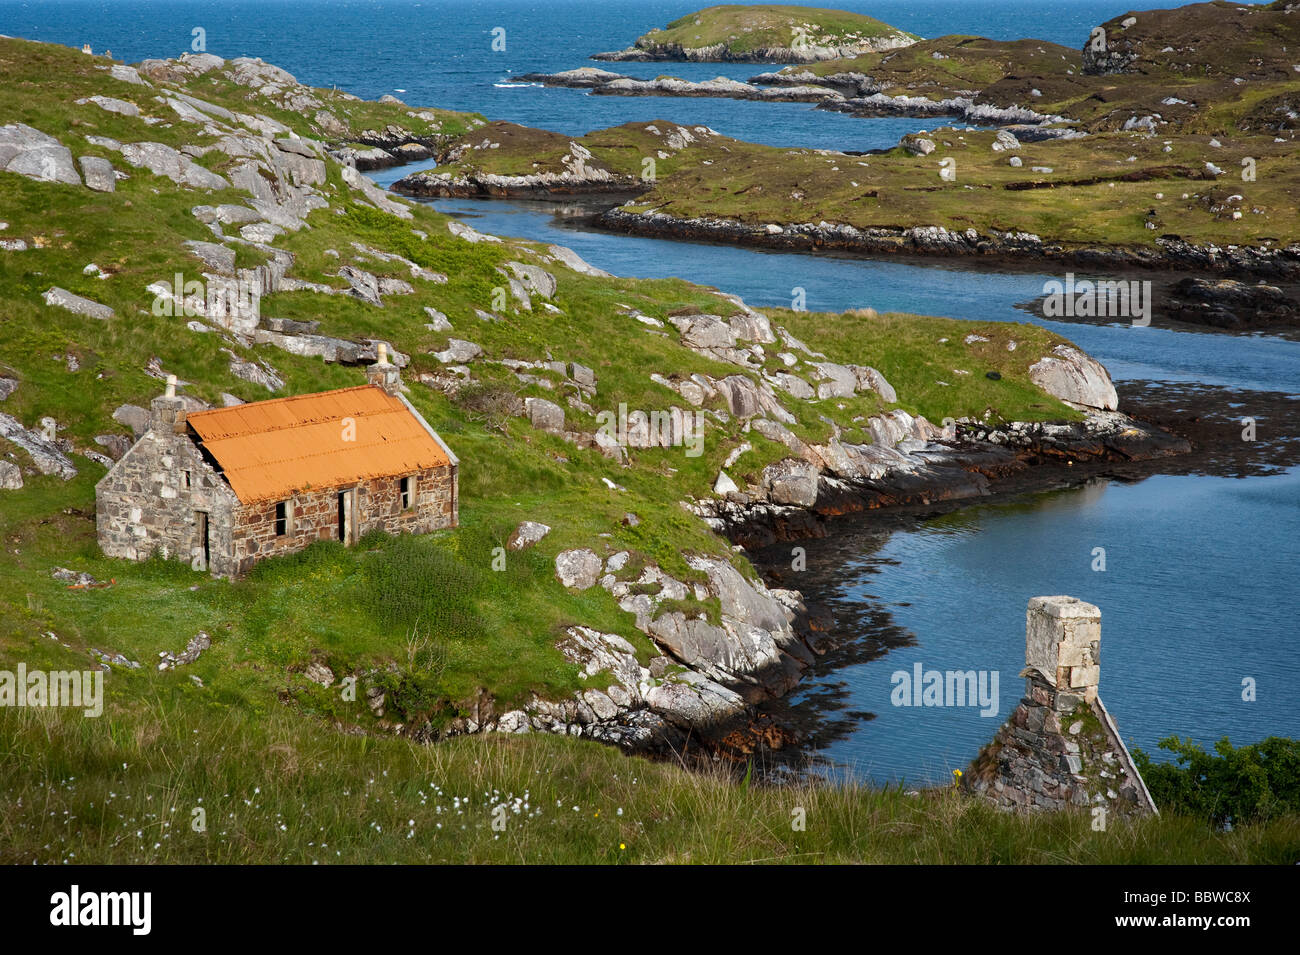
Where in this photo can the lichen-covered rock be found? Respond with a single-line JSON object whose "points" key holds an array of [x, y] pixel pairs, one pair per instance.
{"points": [[545, 415], [11, 476], [527, 534], [31, 153], [77, 304], [791, 482], [577, 569], [98, 173], [1076, 378], [457, 352]]}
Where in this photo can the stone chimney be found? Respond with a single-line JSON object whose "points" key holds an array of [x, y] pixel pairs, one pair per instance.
{"points": [[383, 373], [167, 412], [1060, 749], [1063, 643]]}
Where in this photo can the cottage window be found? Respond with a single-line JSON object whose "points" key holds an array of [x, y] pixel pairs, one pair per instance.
{"points": [[281, 519], [408, 492], [185, 478]]}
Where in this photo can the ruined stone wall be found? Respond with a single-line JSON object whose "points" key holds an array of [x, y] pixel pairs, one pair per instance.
{"points": [[314, 515], [1060, 748], [149, 501]]}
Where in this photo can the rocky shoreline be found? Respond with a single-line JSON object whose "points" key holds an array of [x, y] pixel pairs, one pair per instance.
{"points": [[1170, 253], [853, 93]]}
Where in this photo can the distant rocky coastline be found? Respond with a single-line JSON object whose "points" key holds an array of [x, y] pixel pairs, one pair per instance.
{"points": [[1170, 253]]}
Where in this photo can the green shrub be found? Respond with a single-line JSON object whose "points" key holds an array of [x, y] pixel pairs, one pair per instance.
{"points": [[1230, 786]]}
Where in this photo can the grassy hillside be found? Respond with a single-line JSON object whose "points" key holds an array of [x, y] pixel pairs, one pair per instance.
{"points": [[291, 612], [289, 769]]}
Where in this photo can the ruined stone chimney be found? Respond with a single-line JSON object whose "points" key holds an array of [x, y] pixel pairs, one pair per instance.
{"points": [[1063, 643], [167, 411], [383, 373], [1060, 748]]}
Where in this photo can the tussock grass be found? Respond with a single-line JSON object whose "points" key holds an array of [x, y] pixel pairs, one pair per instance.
{"points": [[124, 789]]}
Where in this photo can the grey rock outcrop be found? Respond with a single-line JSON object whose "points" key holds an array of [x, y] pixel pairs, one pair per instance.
{"points": [[77, 304], [46, 455], [1075, 378], [98, 173], [11, 476], [31, 153], [578, 569], [526, 535]]}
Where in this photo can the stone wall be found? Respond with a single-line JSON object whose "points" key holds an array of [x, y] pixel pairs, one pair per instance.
{"points": [[313, 515], [1060, 748], [149, 501]]}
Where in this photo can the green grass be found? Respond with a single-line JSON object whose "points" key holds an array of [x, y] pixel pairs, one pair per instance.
{"points": [[950, 65], [428, 620], [124, 788]]}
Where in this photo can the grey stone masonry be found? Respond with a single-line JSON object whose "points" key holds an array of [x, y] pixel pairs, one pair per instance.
{"points": [[1060, 748], [167, 496]]}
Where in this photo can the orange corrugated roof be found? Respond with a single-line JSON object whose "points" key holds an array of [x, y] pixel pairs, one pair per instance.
{"points": [[271, 449]]}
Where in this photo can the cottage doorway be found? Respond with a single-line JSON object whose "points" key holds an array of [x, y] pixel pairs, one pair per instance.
{"points": [[347, 516]]}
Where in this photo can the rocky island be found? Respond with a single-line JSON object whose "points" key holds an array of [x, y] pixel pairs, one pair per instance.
{"points": [[764, 33]]}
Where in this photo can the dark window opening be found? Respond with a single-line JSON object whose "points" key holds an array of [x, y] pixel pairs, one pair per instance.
{"points": [[185, 478], [281, 519], [406, 493]]}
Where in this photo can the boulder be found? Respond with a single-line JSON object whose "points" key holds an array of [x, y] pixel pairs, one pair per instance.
{"points": [[536, 280], [869, 379], [526, 535], [577, 569], [363, 285], [319, 673], [126, 74], [584, 376], [11, 476], [1076, 378], [164, 161], [917, 145], [545, 415], [705, 331], [31, 153], [840, 380], [438, 322], [793, 384], [115, 444], [692, 701], [575, 261], [219, 258], [791, 482], [462, 231], [134, 417], [457, 352], [111, 105], [62, 298], [45, 454], [98, 173]]}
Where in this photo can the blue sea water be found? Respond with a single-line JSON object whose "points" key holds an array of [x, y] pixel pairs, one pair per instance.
{"points": [[1200, 587], [439, 52]]}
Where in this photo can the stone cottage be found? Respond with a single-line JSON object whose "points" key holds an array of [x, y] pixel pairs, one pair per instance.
{"points": [[225, 488]]}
